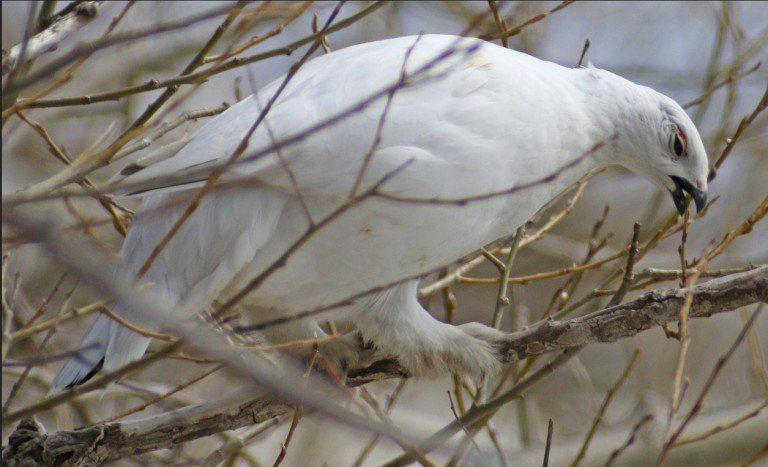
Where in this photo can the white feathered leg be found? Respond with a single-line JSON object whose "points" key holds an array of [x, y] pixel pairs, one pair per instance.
{"points": [[397, 324]]}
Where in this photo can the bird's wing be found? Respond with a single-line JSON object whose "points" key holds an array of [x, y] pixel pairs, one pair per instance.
{"points": [[219, 238], [187, 165], [323, 89]]}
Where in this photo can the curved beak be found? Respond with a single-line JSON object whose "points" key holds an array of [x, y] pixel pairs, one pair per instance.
{"points": [[678, 195]]}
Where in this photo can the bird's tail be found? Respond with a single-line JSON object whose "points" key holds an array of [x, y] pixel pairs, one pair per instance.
{"points": [[106, 345]]}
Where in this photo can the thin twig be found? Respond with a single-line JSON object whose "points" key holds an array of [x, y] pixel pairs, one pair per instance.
{"points": [[97, 382], [606, 402], [671, 274], [481, 411], [630, 440], [724, 427], [744, 228], [583, 53], [42, 360], [136, 328], [457, 418], [743, 125], [87, 49], [716, 371], [196, 76], [500, 23], [731, 79], [7, 309], [26, 332], [503, 301], [297, 414], [161, 131], [518, 29], [548, 446], [629, 275], [685, 342], [756, 352], [261, 38], [118, 213], [391, 401], [164, 395], [196, 62], [237, 443], [762, 452], [477, 260]]}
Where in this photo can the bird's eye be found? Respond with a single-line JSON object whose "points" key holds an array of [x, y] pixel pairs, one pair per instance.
{"points": [[678, 143]]}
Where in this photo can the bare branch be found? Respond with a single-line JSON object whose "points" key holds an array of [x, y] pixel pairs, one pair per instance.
{"points": [[196, 76], [630, 440], [48, 39], [550, 432], [716, 372], [647, 312], [629, 274], [518, 29], [743, 125], [601, 413], [87, 49]]}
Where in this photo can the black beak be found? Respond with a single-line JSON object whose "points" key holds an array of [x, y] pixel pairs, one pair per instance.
{"points": [[678, 195]]}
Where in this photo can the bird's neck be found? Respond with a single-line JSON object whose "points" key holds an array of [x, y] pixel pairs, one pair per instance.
{"points": [[613, 106], [607, 107]]}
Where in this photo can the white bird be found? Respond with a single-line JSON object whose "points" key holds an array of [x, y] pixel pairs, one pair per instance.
{"points": [[467, 122]]}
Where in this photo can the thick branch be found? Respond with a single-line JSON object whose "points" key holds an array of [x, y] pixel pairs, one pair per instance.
{"points": [[96, 444], [651, 310], [49, 38]]}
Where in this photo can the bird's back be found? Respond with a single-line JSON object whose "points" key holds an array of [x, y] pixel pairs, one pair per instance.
{"points": [[455, 88]]}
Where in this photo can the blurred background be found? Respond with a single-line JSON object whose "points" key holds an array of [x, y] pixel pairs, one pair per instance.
{"points": [[681, 49]]}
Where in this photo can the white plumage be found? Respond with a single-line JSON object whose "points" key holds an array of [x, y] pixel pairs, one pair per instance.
{"points": [[481, 119]]}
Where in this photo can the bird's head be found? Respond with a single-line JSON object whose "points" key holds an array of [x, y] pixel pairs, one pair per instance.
{"points": [[665, 147]]}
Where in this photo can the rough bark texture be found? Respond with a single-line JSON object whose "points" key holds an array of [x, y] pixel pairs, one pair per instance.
{"points": [[93, 445], [49, 38], [652, 309]]}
